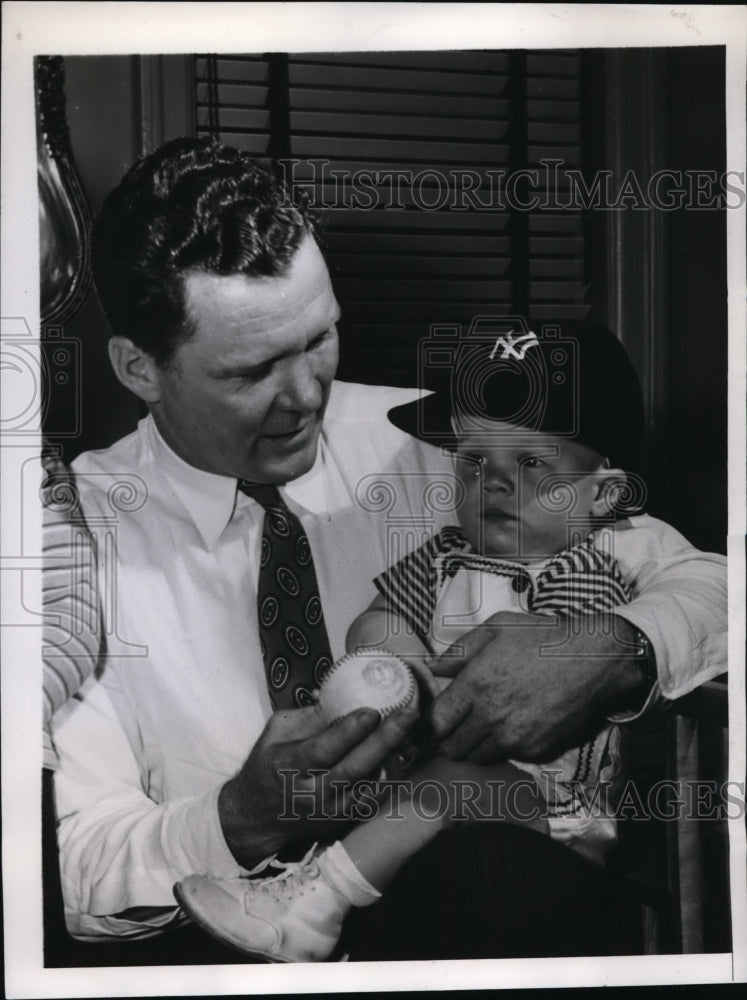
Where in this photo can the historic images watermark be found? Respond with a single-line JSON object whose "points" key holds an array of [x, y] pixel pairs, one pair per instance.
{"points": [[316, 795], [550, 186]]}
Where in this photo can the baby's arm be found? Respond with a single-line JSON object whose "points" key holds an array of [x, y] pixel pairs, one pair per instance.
{"points": [[379, 625]]}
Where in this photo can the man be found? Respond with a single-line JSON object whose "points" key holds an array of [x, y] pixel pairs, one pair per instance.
{"points": [[223, 319]]}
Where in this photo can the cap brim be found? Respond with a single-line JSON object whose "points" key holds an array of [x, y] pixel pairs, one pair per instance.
{"points": [[427, 418]]}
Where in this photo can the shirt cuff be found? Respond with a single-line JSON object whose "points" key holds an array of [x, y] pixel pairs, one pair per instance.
{"points": [[687, 655], [194, 825], [654, 698]]}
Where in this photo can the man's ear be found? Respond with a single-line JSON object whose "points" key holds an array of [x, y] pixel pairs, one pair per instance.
{"points": [[610, 486], [135, 369]]}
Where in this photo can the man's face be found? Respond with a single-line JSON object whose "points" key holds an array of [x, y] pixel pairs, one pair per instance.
{"points": [[518, 487], [246, 394]]}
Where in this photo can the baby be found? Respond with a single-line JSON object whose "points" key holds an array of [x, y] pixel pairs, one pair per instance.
{"points": [[541, 430]]}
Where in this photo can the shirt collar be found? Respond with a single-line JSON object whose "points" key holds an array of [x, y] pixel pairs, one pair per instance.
{"points": [[210, 499]]}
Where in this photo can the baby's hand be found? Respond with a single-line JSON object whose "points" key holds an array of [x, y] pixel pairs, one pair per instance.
{"points": [[430, 686]]}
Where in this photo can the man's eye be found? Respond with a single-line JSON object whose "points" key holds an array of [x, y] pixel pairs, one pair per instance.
{"points": [[318, 341], [255, 375]]}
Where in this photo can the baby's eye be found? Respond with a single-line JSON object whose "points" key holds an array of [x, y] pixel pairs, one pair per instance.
{"points": [[532, 462], [471, 462]]}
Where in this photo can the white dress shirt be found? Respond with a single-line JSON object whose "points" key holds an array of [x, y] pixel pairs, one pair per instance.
{"points": [[182, 695]]}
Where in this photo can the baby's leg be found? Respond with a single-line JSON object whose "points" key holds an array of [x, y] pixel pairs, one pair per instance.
{"points": [[436, 795], [480, 792]]}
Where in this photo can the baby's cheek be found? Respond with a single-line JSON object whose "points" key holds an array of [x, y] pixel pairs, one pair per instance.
{"points": [[469, 518]]}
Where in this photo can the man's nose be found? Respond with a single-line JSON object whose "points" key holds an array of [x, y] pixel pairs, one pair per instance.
{"points": [[301, 389]]}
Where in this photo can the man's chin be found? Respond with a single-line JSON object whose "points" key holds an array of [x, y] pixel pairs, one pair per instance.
{"points": [[284, 468]]}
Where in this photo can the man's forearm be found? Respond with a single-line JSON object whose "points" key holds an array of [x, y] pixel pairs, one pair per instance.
{"points": [[599, 665]]}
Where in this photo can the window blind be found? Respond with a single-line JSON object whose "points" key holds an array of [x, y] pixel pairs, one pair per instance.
{"points": [[443, 175]]}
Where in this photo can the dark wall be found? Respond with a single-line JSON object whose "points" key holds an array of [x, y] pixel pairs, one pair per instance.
{"points": [[103, 115], [696, 427], [657, 276]]}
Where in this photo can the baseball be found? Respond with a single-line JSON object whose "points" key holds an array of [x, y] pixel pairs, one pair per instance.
{"points": [[372, 678]]}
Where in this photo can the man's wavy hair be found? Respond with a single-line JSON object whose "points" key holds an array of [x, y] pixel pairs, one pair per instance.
{"points": [[192, 205]]}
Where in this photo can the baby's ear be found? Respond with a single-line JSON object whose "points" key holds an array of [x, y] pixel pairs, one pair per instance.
{"points": [[610, 486]]}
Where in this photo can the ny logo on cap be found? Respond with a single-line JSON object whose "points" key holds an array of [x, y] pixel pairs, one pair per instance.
{"points": [[514, 347]]}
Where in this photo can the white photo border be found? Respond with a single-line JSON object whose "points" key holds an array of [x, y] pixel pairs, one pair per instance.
{"points": [[160, 28]]}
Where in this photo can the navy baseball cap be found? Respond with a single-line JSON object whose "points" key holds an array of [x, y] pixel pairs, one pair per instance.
{"points": [[572, 379]]}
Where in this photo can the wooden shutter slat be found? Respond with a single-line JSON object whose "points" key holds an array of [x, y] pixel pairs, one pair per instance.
{"points": [[565, 134], [398, 337], [428, 312], [418, 197], [413, 220], [558, 310], [551, 110], [399, 151], [485, 180], [570, 155], [556, 290], [549, 245], [415, 289], [391, 80], [238, 119], [438, 105], [564, 222], [552, 64], [236, 95], [333, 123], [249, 70], [342, 242], [556, 268], [539, 87], [479, 61], [364, 264]]}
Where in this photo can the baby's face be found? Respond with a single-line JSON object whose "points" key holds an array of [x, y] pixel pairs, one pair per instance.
{"points": [[524, 490]]}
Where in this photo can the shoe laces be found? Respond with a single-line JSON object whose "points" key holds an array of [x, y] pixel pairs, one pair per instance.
{"points": [[292, 875]]}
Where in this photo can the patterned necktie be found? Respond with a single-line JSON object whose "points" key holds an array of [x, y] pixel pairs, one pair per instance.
{"points": [[292, 633]]}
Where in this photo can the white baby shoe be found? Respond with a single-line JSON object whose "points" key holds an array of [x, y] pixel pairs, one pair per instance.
{"points": [[294, 916]]}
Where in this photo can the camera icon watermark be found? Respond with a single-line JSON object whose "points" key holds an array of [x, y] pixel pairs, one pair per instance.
{"points": [[498, 370], [34, 371]]}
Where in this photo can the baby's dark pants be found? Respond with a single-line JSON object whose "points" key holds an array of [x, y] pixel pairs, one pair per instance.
{"points": [[495, 890]]}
